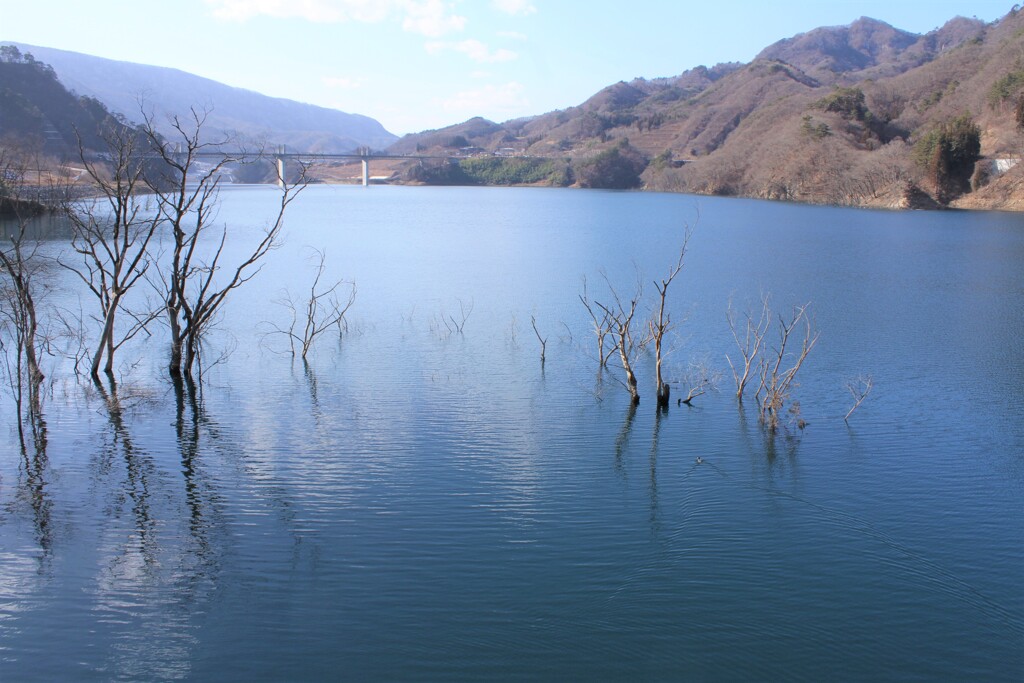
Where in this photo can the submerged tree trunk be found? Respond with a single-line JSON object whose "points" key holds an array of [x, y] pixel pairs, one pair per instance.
{"points": [[174, 362], [663, 393], [105, 345], [627, 367], [27, 316]]}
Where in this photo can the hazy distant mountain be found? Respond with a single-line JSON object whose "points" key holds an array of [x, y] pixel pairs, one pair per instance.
{"points": [[302, 127]]}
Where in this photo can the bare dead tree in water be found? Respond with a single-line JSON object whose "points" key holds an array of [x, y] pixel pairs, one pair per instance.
{"points": [[859, 388], [196, 282], [778, 371], [19, 337], [617, 320], [21, 284], [661, 323], [111, 236], [621, 317], [459, 324], [749, 343], [321, 311], [600, 327], [699, 379], [451, 323], [543, 340]]}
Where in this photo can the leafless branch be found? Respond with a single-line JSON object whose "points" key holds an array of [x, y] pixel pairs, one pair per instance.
{"points": [[322, 310], [859, 388], [620, 324], [699, 380], [750, 345], [600, 327], [543, 340], [778, 372]]}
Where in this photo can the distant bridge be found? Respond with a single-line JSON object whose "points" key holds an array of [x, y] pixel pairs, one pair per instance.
{"points": [[365, 157]]}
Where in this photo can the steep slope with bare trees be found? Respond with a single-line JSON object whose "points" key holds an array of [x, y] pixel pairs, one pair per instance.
{"points": [[847, 115]]}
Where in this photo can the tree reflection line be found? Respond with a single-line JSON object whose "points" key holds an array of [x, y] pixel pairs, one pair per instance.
{"points": [[771, 446], [35, 463]]}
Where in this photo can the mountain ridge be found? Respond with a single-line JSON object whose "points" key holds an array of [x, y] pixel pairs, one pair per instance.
{"points": [[865, 115], [230, 110], [837, 115]]}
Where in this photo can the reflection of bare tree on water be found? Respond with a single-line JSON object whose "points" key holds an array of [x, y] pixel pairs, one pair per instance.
{"points": [[314, 387], [23, 338], [622, 443], [168, 564], [138, 470], [33, 487], [659, 414], [199, 436], [763, 446], [623, 438], [787, 446], [158, 566], [140, 478], [189, 418]]}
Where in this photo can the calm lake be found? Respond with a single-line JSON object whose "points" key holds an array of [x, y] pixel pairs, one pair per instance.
{"points": [[421, 504]]}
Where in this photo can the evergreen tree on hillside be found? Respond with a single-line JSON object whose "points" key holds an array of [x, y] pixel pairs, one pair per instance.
{"points": [[35, 108], [616, 168], [947, 153]]}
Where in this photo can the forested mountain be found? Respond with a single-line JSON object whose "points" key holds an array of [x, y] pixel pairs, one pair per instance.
{"points": [[864, 114], [121, 85], [38, 113]]}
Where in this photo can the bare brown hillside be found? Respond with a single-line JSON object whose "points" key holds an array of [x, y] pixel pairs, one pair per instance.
{"points": [[863, 115]]}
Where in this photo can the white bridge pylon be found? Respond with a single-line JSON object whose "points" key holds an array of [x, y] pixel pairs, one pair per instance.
{"points": [[281, 156], [281, 169]]}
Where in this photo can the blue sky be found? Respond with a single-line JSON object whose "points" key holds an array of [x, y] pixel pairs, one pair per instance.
{"points": [[419, 64]]}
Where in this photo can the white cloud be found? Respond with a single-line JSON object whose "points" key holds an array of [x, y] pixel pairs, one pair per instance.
{"points": [[473, 49], [490, 98], [432, 18], [514, 7]]}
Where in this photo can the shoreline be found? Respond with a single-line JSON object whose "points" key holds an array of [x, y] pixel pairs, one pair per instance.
{"points": [[970, 202]]}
